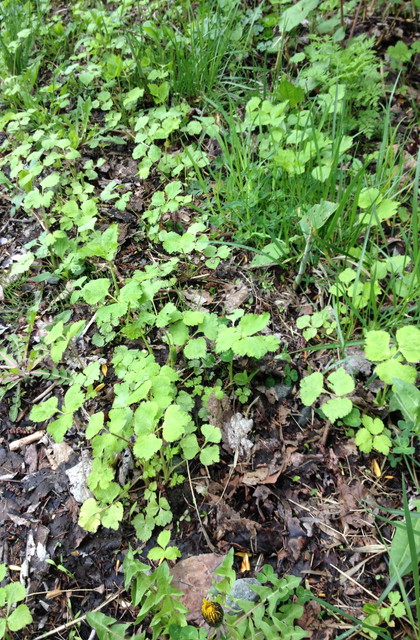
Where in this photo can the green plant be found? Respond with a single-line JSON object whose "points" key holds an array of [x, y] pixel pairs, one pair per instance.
{"points": [[12, 618], [159, 604], [379, 615]]}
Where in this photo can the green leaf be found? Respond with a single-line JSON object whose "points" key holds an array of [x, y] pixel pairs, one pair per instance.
{"points": [[363, 440], [174, 423], [382, 444], [107, 628], [163, 538], [377, 346], [112, 516], [96, 290], [407, 399], [294, 15], [210, 455], [390, 369], [408, 339], [168, 315], [368, 197], [255, 346], [400, 560], [45, 410], [19, 618], [341, 382], [95, 424], [50, 181], [311, 388], [89, 516], [146, 446], [337, 408], [15, 591], [211, 433], [373, 425], [189, 446], [252, 323], [195, 348]]}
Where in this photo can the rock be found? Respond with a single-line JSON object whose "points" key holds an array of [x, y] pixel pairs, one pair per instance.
{"points": [[305, 416], [242, 590], [283, 391]]}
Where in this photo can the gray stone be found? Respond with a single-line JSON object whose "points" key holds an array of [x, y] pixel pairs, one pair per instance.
{"points": [[242, 590], [305, 416], [283, 391]]}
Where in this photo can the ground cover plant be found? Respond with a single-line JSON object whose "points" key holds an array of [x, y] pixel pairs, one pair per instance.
{"points": [[209, 332]]}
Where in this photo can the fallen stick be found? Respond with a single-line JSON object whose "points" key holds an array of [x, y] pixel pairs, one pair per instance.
{"points": [[22, 442]]}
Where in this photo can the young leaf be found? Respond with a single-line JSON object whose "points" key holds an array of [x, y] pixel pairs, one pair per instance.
{"points": [[341, 382], [89, 516], [311, 387], [112, 516], [195, 348], [45, 410], [377, 346], [337, 408], [408, 339], [96, 290], [174, 423], [210, 455], [19, 618]]}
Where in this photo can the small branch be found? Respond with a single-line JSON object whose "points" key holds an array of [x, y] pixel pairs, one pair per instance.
{"points": [[22, 442]]}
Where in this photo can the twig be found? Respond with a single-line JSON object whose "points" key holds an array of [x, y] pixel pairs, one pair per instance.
{"points": [[204, 532], [22, 442], [81, 619]]}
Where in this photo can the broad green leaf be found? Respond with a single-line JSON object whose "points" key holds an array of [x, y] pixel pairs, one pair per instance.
{"points": [[382, 444], [143, 526], [146, 446], [408, 339], [226, 338], [210, 455], [400, 560], [255, 346], [73, 399], [15, 591], [179, 333], [369, 196], [45, 410], [174, 423], [252, 323], [390, 369], [106, 627], [294, 15], [341, 382], [96, 290], [50, 181], [373, 425], [168, 315], [163, 538], [363, 440], [23, 264], [274, 252], [377, 346], [211, 433], [95, 424], [407, 399], [60, 426], [195, 348], [311, 388], [189, 446], [112, 516], [337, 408], [89, 516], [19, 618]]}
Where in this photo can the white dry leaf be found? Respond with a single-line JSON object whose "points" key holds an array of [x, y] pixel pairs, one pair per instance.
{"points": [[235, 432], [78, 475]]}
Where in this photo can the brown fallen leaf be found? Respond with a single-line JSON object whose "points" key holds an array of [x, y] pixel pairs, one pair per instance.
{"points": [[193, 576]]}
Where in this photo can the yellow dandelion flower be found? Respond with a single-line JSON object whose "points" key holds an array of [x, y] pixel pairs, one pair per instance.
{"points": [[212, 613]]}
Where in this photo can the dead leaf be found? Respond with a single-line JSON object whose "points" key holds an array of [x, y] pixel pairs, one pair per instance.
{"points": [[193, 576], [234, 434]]}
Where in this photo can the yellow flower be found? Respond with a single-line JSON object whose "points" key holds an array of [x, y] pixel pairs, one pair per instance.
{"points": [[212, 613]]}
